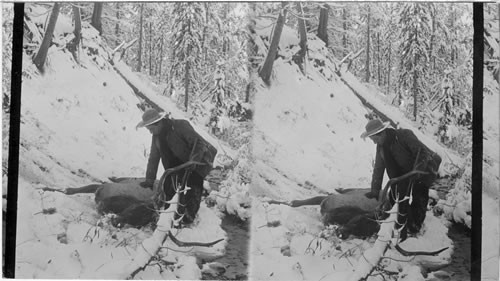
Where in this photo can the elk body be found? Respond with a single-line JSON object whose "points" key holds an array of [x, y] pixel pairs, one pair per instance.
{"points": [[350, 208], [132, 203], [124, 197]]}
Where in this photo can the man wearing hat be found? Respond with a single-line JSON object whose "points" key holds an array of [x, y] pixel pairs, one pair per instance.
{"points": [[175, 142], [398, 152]]}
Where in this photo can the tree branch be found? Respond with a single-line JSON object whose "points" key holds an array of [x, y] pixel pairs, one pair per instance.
{"points": [[417, 253], [371, 257], [191, 244]]}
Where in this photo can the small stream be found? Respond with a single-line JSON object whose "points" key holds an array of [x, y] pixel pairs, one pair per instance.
{"points": [[235, 261], [460, 266]]}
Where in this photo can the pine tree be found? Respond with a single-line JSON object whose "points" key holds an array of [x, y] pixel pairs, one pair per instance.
{"points": [[415, 43], [187, 36], [367, 61], [139, 53]]}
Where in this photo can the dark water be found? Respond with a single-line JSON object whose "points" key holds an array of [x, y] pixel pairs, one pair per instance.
{"points": [[459, 268], [235, 261]]}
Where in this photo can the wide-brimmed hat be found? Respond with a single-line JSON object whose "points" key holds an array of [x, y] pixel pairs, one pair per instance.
{"points": [[374, 127], [149, 117]]}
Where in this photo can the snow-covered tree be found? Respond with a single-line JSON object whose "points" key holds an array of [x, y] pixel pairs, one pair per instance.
{"points": [[186, 51], [415, 43], [7, 16], [492, 40]]}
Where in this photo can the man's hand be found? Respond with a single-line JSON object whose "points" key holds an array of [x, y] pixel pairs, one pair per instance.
{"points": [[372, 194], [147, 184]]}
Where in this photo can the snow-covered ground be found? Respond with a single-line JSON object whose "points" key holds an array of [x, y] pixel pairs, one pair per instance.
{"points": [[306, 143], [78, 127]]}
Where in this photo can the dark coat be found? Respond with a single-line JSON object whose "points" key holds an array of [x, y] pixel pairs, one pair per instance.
{"points": [[399, 155], [176, 144]]}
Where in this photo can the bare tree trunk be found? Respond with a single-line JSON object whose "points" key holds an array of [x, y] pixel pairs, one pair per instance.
{"points": [[139, 55], [150, 48], [186, 84], [75, 42], [225, 40], [303, 38], [117, 26], [344, 36], [187, 70], [306, 11], [367, 63], [431, 43], [247, 92], [379, 82], [96, 16], [267, 68], [160, 58], [453, 19], [41, 55], [323, 23], [389, 69], [415, 90], [205, 33], [78, 25]]}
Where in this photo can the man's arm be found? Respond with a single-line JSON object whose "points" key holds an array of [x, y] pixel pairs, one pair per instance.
{"points": [[153, 162], [377, 175]]}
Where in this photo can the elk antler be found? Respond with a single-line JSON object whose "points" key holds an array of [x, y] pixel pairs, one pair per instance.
{"points": [[191, 244], [159, 192], [383, 196], [421, 253]]}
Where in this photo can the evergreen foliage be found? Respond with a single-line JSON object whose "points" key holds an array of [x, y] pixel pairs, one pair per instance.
{"points": [[415, 30]]}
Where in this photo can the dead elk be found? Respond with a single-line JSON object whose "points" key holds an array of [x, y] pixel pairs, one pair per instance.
{"points": [[133, 204], [349, 208]]}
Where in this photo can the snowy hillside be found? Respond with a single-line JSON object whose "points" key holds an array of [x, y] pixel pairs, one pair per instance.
{"points": [[307, 143], [78, 127]]}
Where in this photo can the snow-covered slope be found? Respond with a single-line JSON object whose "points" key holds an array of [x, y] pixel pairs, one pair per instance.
{"points": [[77, 128], [306, 143]]}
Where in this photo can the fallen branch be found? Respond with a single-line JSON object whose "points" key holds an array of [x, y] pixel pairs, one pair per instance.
{"points": [[371, 257], [150, 246], [418, 253], [191, 244], [344, 59], [48, 211], [118, 48], [124, 46], [278, 202], [52, 189]]}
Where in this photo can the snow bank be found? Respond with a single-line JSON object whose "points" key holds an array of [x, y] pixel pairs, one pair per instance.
{"points": [[309, 131]]}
